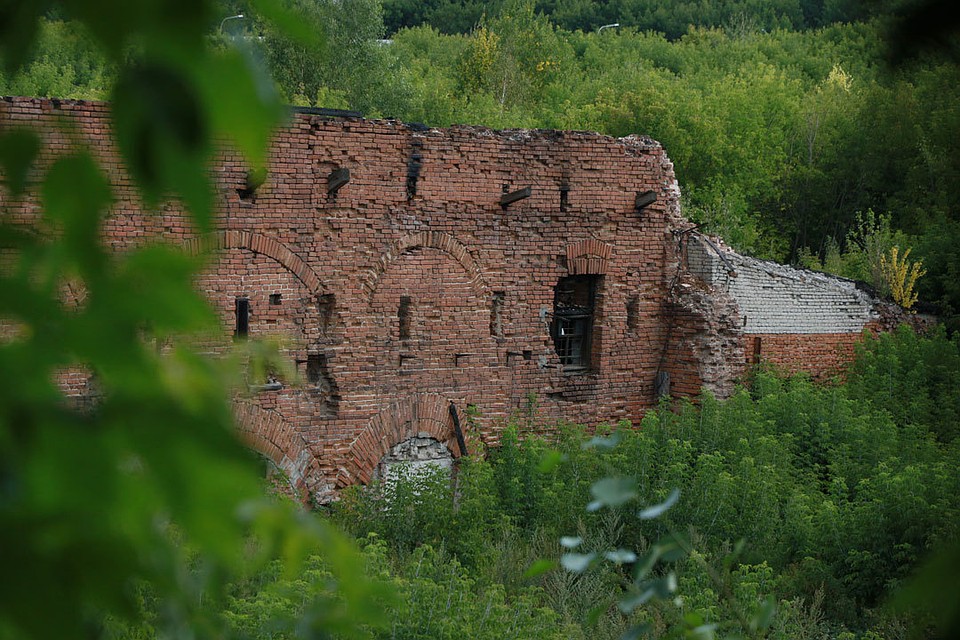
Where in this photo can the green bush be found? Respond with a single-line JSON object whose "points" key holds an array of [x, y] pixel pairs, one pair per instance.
{"points": [[914, 378]]}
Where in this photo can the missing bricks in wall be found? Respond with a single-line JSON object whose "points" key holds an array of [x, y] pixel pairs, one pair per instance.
{"points": [[496, 314], [644, 200], [336, 180], [633, 313], [321, 382], [564, 198], [661, 385], [414, 164], [275, 299], [253, 180], [316, 363], [403, 315], [326, 304]]}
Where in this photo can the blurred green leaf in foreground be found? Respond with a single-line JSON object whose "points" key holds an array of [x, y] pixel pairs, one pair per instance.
{"points": [[146, 489]]}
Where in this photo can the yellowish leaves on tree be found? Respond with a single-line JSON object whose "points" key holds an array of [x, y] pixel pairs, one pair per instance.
{"points": [[480, 59], [901, 276]]}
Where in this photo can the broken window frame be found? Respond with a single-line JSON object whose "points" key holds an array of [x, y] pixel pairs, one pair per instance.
{"points": [[573, 322]]}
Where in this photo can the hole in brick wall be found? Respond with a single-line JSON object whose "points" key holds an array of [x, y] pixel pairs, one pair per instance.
{"points": [[496, 314], [572, 327], [412, 459], [275, 299], [326, 304], [633, 313], [321, 381], [414, 165], [337, 179], [403, 313], [242, 313], [316, 368], [661, 384], [254, 179], [564, 198]]}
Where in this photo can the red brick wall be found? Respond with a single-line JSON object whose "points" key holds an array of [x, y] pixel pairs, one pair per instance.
{"points": [[820, 355], [420, 224]]}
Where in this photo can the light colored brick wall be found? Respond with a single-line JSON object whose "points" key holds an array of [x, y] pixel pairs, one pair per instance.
{"points": [[777, 299]]}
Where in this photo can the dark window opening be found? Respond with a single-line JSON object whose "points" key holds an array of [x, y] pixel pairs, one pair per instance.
{"points": [[242, 310], [403, 313], [564, 198], [496, 314], [572, 327], [275, 299]]}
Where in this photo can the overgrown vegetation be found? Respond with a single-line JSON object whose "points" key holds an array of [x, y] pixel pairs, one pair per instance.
{"points": [[835, 494]]}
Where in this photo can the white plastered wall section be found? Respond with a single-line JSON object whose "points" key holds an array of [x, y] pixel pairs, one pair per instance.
{"points": [[774, 298]]}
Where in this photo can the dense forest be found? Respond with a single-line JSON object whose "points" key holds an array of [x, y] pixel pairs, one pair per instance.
{"points": [[804, 131]]}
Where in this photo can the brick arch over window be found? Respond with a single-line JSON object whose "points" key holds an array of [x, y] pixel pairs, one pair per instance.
{"points": [[588, 257], [269, 434], [435, 240], [264, 245], [404, 419]]}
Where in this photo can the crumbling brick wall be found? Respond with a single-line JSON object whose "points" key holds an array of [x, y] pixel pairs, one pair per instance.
{"points": [[795, 319], [421, 283]]}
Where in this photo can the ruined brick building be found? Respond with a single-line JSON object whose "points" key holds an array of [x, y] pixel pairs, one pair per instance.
{"points": [[433, 284]]}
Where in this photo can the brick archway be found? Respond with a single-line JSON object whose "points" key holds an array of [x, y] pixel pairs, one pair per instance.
{"points": [[417, 414], [270, 435], [265, 245], [434, 240]]}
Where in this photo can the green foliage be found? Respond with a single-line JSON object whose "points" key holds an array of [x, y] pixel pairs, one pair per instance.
{"points": [[127, 511], [939, 244], [673, 18], [866, 246], [65, 62], [426, 508], [349, 68], [915, 379], [443, 600]]}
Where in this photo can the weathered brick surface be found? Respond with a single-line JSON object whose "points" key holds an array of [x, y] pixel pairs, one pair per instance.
{"points": [[411, 287]]}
